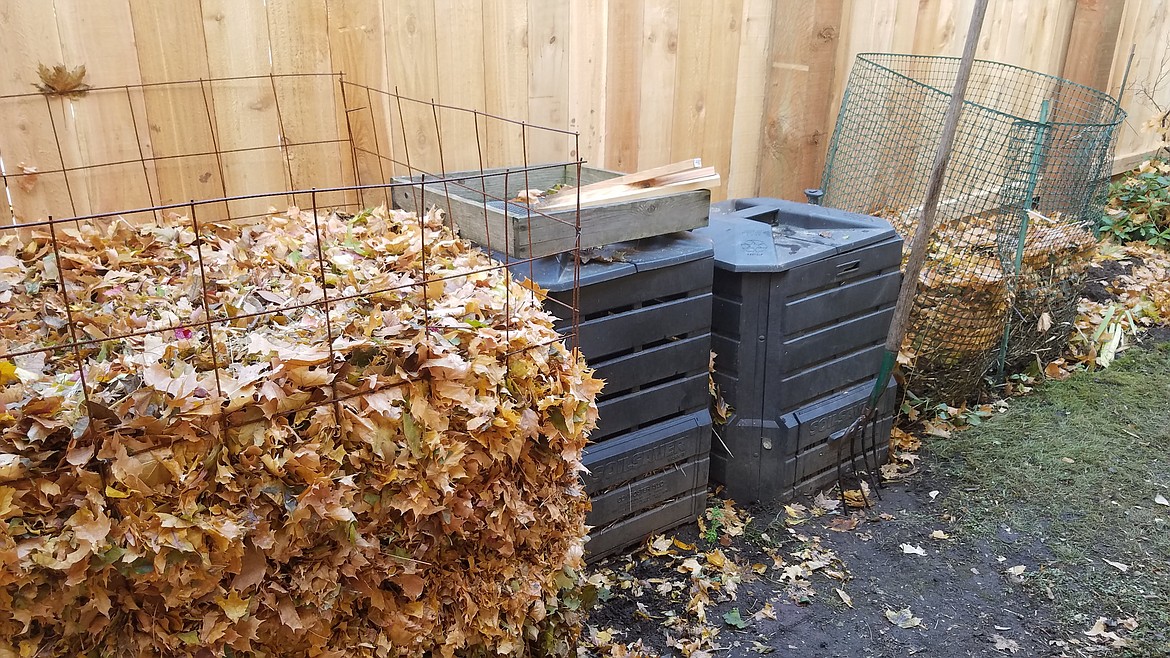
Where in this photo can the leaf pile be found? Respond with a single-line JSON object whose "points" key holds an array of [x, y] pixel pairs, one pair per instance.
{"points": [[392, 473], [968, 285]]}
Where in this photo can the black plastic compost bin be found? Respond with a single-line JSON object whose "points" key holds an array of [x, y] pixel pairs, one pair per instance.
{"points": [[803, 301], [645, 327]]}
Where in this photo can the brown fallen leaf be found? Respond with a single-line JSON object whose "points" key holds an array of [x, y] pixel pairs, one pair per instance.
{"points": [[937, 429], [767, 612], [844, 523], [903, 441], [858, 497], [60, 81]]}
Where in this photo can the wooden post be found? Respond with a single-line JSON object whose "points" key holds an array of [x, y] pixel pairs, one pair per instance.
{"points": [[1089, 57]]}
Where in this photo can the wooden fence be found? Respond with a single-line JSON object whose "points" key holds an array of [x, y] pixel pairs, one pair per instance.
{"points": [[750, 86]]}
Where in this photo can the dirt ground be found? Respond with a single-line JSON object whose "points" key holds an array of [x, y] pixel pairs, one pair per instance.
{"points": [[959, 589], [1043, 532]]}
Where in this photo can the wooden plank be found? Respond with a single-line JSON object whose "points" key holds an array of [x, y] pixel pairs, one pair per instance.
{"points": [[548, 80], [601, 225], [26, 133], [244, 111], [357, 47], [938, 31], [588, 52], [462, 82], [704, 178], [177, 116], [306, 107], [719, 90], [658, 84], [623, 85], [869, 26], [750, 86], [802, 71], [1050, 52], [505, 57], [1127, 34], [639, 177], [1145, 23], [1123, 162], [905, 28], [411, 38], [357, 41], [1096, 25], [104, 123], [690, 94]]}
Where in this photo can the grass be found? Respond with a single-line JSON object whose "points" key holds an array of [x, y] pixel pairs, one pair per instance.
{"points": [[1076, 467]]}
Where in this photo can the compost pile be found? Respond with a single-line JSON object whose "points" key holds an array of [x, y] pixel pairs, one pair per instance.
{"points": [[967, 292], [392, 471]]}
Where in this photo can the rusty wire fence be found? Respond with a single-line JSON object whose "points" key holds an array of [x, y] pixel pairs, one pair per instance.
{"points": [[205, 183]]}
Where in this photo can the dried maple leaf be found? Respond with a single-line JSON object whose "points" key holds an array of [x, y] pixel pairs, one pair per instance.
{"points": [[60, 81]]}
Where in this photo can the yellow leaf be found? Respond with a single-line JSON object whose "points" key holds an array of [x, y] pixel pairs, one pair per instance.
{"points": [[114, 493], [233, 606], [7, 372], [716, 558], [797, 512], [6, 506], [683, 545], [858, 497], [903, 441]]}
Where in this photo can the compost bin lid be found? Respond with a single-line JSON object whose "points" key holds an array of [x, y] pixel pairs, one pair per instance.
{"points": [[598, 264], [774, 235]]}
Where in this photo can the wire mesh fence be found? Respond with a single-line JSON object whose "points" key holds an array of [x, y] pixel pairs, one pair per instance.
{"points": [[218, 340], [1027, 180], [209, 175]]}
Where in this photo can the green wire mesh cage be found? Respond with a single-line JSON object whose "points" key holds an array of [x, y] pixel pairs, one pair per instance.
{"points": [[1027, 180]]}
